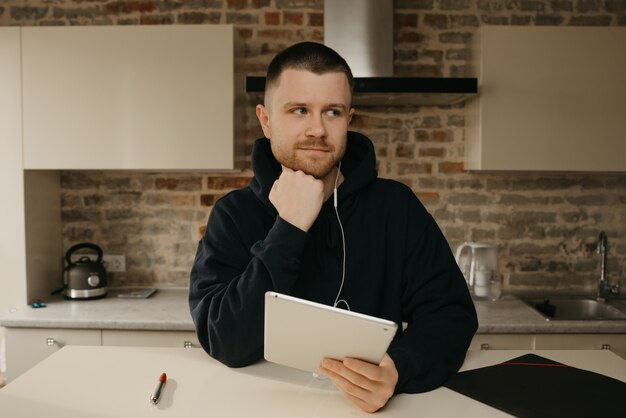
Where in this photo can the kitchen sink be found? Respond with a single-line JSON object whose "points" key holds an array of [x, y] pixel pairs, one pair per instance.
{"points": [[555, 309]]}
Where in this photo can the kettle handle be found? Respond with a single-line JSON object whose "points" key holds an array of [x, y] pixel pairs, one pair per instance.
{"points": [[72, 249], [459, 250]]}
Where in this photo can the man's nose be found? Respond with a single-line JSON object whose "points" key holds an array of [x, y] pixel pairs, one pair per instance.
{"points": [[317, 127]]}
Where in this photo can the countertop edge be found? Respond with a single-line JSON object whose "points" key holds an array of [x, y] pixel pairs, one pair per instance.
{"points": [[168, 311], [138, 326]]}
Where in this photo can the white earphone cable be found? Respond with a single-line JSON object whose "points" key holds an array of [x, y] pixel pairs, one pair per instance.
{"points": [[343, 242]]}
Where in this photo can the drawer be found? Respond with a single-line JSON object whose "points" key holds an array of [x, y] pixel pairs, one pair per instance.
{"points": [[142, 338], [502, 342], [613, 342], [25, 347]]}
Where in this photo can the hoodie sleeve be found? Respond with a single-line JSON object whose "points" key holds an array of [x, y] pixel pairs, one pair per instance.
{"points": [[437, 307], [228, 283]]}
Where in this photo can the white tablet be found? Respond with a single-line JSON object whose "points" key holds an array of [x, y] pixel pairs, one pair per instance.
{"points": [[300, 333]]}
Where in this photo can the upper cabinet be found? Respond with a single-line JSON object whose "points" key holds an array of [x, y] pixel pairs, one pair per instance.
{"points": [[130, 97], [550, 99]]}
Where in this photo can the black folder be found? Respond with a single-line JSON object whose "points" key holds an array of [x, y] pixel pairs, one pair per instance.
{"points": [[537, 387]]}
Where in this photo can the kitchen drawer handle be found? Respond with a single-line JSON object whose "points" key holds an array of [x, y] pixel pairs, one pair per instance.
{"points": [[484, 346], [606, 346], [187, 344], [51, 342]]}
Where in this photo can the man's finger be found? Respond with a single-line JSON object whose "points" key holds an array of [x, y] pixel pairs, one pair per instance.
{"points": [[369, 370], [339, 368], [365, 400], [347, 387]]}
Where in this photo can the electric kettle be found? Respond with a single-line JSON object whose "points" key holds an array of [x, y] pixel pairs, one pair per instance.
{"points": [[480, 268], [85, 278]]}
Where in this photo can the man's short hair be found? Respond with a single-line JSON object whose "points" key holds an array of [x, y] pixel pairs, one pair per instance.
{"points": [[310, 56]]}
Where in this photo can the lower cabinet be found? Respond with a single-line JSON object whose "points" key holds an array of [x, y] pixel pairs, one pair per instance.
{"points": [[25, 347], [502, 342], [185, 339], [614, 342]]}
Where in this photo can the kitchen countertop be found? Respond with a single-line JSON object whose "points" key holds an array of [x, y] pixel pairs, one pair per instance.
{"points": [[510, 315], [168, 310]]}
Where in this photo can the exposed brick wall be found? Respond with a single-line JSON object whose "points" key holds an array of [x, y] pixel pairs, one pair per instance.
{"points": [[546, 224]]}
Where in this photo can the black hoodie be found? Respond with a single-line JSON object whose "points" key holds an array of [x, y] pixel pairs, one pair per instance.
{"points": [[398, 267]]}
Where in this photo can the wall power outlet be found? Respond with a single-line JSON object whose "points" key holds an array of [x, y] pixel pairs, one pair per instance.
{"points": [[114, 263]]}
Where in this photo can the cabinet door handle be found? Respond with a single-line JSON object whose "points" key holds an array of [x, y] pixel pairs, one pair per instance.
{"points": [[51, 342], [187, 344], [484, 346], [606, 346]]}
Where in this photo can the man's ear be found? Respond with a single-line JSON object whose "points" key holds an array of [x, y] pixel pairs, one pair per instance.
{"points": [[350, 114], [264, 120]]}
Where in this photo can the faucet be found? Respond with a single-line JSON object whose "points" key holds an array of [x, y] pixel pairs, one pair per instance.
{"points": [[604, 287]]}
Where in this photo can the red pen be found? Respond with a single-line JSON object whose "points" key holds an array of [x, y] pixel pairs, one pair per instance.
{"points": [[156, 395]]}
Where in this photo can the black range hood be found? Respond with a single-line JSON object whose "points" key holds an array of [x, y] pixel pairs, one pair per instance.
{"points": [[399, 91]]}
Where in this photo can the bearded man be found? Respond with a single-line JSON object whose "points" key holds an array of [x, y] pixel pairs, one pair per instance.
{"points": [[283, 233]]}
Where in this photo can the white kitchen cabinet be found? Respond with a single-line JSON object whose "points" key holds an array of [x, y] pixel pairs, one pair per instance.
{"points": [[550, 99], [614, 342], [26, 220], [30, 203], [502, 342], [25, 347], [12, 244], [130, 97], [185, 339]]}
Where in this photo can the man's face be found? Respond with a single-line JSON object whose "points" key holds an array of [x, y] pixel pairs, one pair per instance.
{"points": [[306, 118]]}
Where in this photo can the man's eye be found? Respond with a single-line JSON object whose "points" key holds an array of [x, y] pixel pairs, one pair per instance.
{"points": [[299, 111], [333, 112]]}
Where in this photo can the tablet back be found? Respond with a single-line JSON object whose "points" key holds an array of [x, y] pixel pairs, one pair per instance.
{"points": [[300, 333]]}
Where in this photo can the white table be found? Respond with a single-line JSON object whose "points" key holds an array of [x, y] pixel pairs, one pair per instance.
{"points": [[90, 382]]}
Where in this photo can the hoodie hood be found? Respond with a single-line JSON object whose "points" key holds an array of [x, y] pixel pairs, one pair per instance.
{"points": [[358, 167]]}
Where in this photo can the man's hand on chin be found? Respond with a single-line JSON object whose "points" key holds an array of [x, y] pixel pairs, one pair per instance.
{"points": [[297, 197], [368, 386]]}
